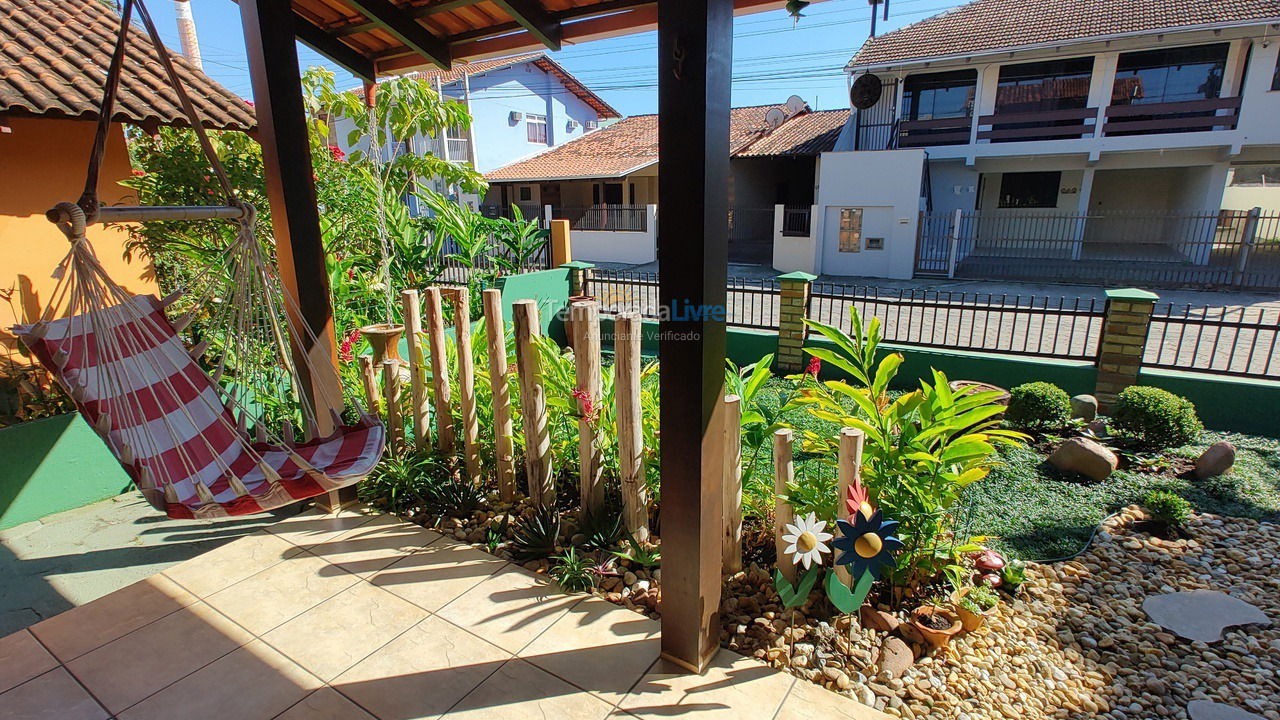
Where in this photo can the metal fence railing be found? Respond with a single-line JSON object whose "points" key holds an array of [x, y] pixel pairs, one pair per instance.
{"points": [[1041, 326], [751, 303], [1240, 341], [1229, 248], [795, 221], [622, 218], [457, 272]]}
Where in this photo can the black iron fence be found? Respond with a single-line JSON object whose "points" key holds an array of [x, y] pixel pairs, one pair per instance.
{"points": [[795, 221], [1040, 326], [1228, 248], [1239, 341], [623, 218], [459, 266], [751, 303]]}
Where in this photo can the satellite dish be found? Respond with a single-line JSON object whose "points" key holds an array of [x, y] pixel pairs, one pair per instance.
{"points": [[796, 105], [774, 118], [866, 91]]}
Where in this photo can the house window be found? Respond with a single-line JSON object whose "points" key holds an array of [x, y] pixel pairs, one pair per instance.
{"points": [[1255, 176], [1030, 189], [1173, 75], [850, 230], [536, 126], [526, 193], [931, 96], [1042, 86], [1275, 76]]}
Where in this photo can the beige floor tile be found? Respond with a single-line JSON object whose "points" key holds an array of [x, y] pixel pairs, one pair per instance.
{"points": [[733, 687], [510, 608], [281, 592], [345, 629], [325, 704], [22, 658], [520, 690], [374, 545], [422, 673], [597, 646], [88, 627], [437, 574], [127, 670], [229, 564], [808, 701], [252, 683], [54, 695], [314, 526]]}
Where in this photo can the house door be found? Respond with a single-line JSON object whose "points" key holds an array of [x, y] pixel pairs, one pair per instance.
{"points": [[606, 194]]}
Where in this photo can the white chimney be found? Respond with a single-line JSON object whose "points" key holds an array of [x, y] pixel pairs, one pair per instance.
{"points": [[187, 32]]}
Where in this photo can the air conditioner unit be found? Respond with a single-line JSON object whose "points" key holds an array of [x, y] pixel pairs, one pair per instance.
{"points": [[571, 125], [516, 116], [591, 125]]}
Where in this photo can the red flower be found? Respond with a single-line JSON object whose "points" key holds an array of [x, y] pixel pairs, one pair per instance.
{"points": [[249, 103], [815, 365], [137, 173], [588, 405], [336, 153], [346, 350]]}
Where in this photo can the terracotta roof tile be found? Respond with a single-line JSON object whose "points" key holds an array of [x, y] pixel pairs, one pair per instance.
{"points": [[631, 144], [462, 69], [987, 25], [53, 61]]}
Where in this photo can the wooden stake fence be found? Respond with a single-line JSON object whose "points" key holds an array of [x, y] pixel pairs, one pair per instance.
{"points": [[732, 486], [585, 316], [849, 468], [504, 450], [419, 410], [783, 474], [533, 405], [369, 379], [391, 391], [635, 497], [466, 383], [439, 370]]}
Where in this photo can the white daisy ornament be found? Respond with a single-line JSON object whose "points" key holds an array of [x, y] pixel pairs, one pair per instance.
{"points": [[806, 541]]}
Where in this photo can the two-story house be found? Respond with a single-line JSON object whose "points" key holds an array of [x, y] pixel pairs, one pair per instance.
{"points": [[519, 106], [1075, 142]]}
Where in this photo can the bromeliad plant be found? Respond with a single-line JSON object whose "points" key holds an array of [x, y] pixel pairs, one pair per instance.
{"points": [[923, 447]]}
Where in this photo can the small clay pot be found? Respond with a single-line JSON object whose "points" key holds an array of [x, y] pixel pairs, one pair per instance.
{"points": [[969, 620], [936, 638], [384, 338]]}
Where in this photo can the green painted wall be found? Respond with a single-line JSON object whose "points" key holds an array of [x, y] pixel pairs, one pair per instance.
{"points": [[550, 288], [51, 465]]}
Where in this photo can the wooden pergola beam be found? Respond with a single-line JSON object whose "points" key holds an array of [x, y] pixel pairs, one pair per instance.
{"points": [[416, 13], [532, 17], [405, 29], [329, 46]]}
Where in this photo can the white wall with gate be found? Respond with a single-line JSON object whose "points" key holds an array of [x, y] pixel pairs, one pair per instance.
{"points": [[885, 185]]}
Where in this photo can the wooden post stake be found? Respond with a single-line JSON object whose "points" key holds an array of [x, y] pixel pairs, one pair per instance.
{"points": [[466, 383], [586, 354], [533, 405], [419, 403], [732, 484], [439, 371], [369, 379], [626, 390], [849, 467], [391, 391], [783, 473], [504, 451]]}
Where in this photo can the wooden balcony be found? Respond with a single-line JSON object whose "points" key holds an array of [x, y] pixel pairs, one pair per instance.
{"points": [[939, 131], [1044, 125], [1188, 116]]}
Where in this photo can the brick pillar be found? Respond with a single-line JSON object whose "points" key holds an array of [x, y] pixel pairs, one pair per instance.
{"points": [[1124, 335], [579, 276], [793, 304]]}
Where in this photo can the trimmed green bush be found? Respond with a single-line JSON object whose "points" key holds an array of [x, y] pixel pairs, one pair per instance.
{"points": [[1038, 406], [1156, 418], [1167, 507]]}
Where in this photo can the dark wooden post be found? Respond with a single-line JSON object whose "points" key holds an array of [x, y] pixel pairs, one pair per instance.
{"points": [[695, 45], [295, 219]]}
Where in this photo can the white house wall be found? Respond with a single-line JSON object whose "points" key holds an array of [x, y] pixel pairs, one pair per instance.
{"points": [[886, 185]]}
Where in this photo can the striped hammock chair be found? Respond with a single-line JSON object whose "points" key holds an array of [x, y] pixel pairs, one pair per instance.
{"points": [[206, 432]]}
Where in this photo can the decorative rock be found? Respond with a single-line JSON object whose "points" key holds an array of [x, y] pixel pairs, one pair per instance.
{"points": [[1086, 457], [1097, 428], [895, 657], [1209, 710], [1084, 407], [1201, 614], [629, 578], [1216, 460], [880, 620]]}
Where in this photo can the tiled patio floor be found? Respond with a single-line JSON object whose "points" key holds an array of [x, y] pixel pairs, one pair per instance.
{"points": [[356, 616]]}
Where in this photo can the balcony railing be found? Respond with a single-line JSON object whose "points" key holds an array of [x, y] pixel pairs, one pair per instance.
{"points": [[1038, 125], [939, 131], [623, 218], [1187, 116], [459, 149], [795, 221]]}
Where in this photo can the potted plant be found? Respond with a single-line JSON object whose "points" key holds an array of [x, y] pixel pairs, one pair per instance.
{"points": [[974, 605], [937, 625]]}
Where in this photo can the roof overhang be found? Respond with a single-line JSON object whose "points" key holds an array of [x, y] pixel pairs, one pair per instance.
{"points": [[589, 176], [853, 67]]}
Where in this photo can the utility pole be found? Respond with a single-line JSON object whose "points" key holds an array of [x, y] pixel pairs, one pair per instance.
{"points": [[187, 32]]}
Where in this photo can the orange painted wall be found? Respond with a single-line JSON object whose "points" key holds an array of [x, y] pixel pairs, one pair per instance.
{"points": [[42, 162]]}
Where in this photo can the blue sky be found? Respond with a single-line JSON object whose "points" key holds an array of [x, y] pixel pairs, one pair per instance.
{"points": [[773, 58]]}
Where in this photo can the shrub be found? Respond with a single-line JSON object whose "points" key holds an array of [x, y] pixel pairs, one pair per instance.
{"points": [[454, 496], [399, 484], [1038, 406], [979, 600], [1167, 507], [573, 572], [1156, 418], [536, 536]]}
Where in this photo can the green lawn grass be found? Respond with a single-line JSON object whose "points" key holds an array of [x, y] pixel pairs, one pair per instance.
{"points": [[1034, 513]]}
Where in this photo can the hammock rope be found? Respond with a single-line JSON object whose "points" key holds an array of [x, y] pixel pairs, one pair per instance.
{"points": [[196, 443]]}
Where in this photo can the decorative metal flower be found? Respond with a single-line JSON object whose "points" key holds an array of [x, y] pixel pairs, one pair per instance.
{"points": [[858, 500], [806, 541], [867, 543]]}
